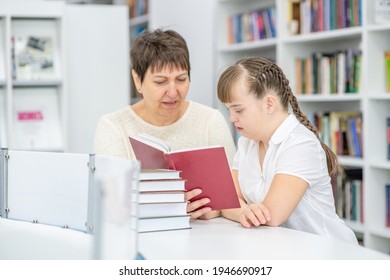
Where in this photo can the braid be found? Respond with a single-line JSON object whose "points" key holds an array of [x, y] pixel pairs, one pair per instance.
{"points": [[300, 116], [288, 97]]}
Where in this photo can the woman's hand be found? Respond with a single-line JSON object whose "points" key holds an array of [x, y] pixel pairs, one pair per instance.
{"points": [[254, 215], [193, 207]]}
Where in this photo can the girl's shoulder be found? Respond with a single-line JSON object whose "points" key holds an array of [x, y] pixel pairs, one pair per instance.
{"points": [[246, 144]]}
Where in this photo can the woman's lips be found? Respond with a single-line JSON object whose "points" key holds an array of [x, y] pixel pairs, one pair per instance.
{"points": [[170, 103]]}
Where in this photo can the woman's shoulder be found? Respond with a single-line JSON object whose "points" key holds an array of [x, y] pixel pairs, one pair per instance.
{"points": [[201, 108], [203, 112], [118, 114]]}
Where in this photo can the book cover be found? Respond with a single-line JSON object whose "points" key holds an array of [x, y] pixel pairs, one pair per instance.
{"points": [[382, 11], [164, 209], [36, 120], [161, 223], [159, 174], [206, 168], [158, 197], [161, 185], [33, 58]]}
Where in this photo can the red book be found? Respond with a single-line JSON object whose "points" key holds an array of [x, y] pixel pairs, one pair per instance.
{"points": [[205, 168]]}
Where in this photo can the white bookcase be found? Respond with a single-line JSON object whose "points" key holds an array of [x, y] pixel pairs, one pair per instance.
{"points": [[371, 100], [90, 75], [32, 93]]}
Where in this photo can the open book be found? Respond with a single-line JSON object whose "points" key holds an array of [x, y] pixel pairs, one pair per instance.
{"points": [[206, 168]]}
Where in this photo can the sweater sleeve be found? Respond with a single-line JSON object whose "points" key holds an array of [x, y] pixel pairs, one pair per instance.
{"points": [[109, 140]]}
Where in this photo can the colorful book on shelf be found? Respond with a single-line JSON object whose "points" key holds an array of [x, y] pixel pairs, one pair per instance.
{"points": [[387, 70], [388, 137], [206, 168], [33, 58], [387, 190]]}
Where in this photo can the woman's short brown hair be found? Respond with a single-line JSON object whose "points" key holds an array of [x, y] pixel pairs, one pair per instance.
{"points": [[159, 49]]}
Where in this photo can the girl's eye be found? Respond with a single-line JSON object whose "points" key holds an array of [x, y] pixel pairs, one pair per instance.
{"points": [[239, 111], [159, 82]]}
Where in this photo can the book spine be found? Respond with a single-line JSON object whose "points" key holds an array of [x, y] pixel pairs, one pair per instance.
{"points": [[388, 138], [387, 70], [388, 205], [171, 163]]}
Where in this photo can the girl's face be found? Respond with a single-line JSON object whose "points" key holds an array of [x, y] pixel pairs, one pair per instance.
{"points": [[248, 114], [165, 92]]}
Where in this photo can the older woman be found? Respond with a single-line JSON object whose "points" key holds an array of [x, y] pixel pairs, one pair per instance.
{"points": [[161, 73]]}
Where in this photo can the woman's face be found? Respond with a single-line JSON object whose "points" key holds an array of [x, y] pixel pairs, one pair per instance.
{"points": [[165, 92]]}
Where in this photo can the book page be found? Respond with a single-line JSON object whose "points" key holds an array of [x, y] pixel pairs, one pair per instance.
{"points": [[154, 142]]}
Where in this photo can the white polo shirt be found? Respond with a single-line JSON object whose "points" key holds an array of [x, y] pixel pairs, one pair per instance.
{"points": [[293, 150]]}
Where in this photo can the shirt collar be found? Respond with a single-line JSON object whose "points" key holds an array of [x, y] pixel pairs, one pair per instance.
{"points": [[284, 130]]}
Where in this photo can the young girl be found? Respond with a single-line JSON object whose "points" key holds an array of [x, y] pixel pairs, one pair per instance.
{"points": [[281, 169]]}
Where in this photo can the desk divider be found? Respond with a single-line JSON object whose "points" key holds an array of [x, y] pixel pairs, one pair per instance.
{"points": [[82, 192]]}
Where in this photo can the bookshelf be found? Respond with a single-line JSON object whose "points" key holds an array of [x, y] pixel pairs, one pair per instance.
{"points": [[370, 99], [32, 83], [139, 21], [78, 82]]}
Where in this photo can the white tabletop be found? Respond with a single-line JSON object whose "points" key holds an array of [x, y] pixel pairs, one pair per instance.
{"points": [[221, 239]]}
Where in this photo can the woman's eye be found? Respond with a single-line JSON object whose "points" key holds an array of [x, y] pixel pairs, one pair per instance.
{"points": [[239, 111]]}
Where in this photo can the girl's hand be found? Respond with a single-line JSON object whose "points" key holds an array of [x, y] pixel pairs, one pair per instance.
{"points": [[254, 215], [196, 208]]}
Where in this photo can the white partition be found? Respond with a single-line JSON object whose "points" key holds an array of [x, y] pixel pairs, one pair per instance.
{"points": [[87, 194], [48, 188], [114, 238]]}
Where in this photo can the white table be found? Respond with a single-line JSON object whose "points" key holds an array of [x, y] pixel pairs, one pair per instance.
{"points": [[221, 239]]}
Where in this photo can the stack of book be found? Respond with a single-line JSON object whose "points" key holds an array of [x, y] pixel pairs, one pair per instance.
{"points": [[160, 202]]}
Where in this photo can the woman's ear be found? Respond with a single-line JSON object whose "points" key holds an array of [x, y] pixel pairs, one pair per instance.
{"points": [[137, 80]]}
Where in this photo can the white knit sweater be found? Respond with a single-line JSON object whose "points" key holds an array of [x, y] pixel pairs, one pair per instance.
{"points": [[199, 126]]}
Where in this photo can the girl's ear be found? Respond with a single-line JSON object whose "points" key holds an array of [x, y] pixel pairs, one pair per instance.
{"points": [[137, 80], [271, 103]]}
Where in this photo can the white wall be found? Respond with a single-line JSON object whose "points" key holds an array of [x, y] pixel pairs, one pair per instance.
{"points": [[194, 20], [98, 69]]}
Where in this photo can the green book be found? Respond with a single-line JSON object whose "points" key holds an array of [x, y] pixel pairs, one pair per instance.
{"points": [[387, 70]]}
